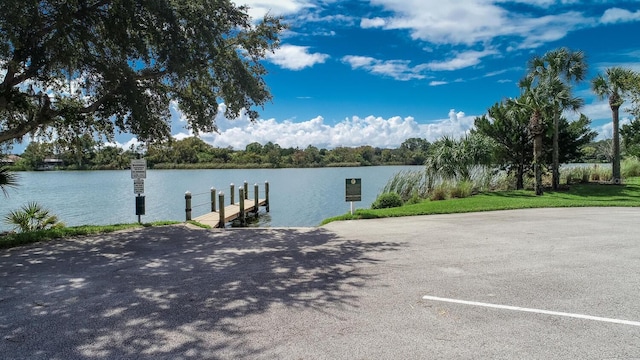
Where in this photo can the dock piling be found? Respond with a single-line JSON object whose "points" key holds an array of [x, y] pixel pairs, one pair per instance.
{"points": [[241, 198], [246, 190], [266, 195], [221, 202], [213, 199], [256, 199], [187, 208], [233, 190]]}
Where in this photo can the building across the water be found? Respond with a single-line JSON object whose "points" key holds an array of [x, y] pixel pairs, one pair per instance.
{"points": [[10, 160], [50, 164]]}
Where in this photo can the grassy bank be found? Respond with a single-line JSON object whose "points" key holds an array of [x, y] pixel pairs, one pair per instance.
{"points": [[578, 195], [16, 239]]}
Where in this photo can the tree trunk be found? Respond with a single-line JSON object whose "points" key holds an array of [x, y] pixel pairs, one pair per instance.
{"points": [[537, 159], [521, 165], [537, 131], [617, 178], [520, 177], [555, 179]]}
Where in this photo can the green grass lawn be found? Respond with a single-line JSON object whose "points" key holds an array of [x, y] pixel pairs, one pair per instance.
{"points": [[578, 195], [16, 239]]}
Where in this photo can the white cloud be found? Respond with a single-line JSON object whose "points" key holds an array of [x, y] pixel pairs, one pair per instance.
{"points": [[600, 110], [595, 111], [131, 143], [353, 131], [438, 83], [259, 8], [624, 60], [605, 131], [617, 15], [471, 22], [316, 17], [372, 23], [402, 69], [456, 125], [397, 69], [294, 57], [460, 61], [359, 61]]}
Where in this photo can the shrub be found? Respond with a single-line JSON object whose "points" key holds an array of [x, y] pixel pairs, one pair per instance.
{"points": [[503, 181], [414, 199], [462, 189], [577, 174], [569, 179], [387, 200], [439, 192], [630, 167], [585, 174]]}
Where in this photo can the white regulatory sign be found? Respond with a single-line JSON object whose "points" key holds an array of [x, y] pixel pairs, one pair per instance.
{"points": [[138, 168], [138, 186]]}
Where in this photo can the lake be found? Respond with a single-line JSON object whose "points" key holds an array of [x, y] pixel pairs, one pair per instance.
{"points": [[298, 197]]}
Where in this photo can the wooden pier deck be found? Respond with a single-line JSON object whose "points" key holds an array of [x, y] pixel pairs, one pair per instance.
{"points": [[231, 212], [221, 214]]}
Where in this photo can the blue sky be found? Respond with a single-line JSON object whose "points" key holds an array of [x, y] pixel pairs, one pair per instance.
{"points": [[376, 72]]}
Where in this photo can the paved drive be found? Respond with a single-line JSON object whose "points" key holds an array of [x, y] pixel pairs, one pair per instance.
{"points": [[348, 290]]}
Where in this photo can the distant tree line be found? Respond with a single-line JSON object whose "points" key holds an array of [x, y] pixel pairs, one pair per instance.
{"points": [[87, 154]]}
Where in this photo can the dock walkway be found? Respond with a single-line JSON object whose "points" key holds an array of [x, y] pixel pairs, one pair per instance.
{"points": [[219, 217], [231, 212]]}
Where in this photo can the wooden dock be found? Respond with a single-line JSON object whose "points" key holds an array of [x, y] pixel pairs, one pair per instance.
{"points": [[220, 214], [231, 213]]}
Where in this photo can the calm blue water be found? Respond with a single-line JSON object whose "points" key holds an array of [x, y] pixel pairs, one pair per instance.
{"points": [[299, 197]]}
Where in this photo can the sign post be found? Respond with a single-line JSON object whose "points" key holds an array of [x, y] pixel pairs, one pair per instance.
{"points": [[138, 174], [353, 191]]}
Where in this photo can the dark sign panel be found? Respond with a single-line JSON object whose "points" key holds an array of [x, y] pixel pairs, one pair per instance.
{"points": [[354, 189], [139, 205]]}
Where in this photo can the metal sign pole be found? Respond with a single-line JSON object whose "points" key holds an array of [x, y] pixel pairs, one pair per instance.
{"points": [[139, 216]]}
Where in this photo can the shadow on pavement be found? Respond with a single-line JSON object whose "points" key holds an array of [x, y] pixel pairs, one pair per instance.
{"points": [[170, 292]]}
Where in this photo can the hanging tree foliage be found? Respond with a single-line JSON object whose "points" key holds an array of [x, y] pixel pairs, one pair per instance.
{"points": [[74, 67]]}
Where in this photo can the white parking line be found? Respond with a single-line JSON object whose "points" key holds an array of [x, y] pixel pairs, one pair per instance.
{"points": [[537, 311]]}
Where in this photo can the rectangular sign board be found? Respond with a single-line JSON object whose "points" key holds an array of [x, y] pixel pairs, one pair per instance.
{"points": [[139, 205], [138, 168], [353, 189], [138, 186]]}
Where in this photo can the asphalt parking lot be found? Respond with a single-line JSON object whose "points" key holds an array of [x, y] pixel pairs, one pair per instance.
{"points": [[534, 284]]}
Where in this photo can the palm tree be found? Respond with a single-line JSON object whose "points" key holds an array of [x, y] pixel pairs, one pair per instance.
{"points": [[615, 85], [534, 101], [559, 65], [456, 159]]}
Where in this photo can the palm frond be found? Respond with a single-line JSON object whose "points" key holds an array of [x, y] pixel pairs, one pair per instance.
{"points": [[8, 179], [31, 217]]}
